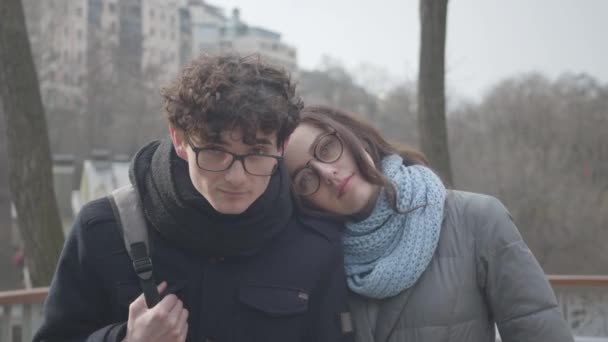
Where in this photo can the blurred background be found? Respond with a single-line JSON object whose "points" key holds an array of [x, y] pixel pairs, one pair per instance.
{"points": [[526, 96], [508, 98]]}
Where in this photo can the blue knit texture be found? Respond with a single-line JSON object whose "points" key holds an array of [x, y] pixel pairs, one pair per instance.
{"points": [[387, 252]]}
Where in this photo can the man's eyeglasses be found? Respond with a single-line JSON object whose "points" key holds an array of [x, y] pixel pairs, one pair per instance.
{"points": [[217, 160], [328, 149]]}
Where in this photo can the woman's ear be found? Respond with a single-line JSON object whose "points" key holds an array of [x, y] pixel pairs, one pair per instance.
{"points": [[179, 143]]}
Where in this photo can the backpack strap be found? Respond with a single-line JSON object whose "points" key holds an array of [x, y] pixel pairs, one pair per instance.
{"points": [[130, 219]]}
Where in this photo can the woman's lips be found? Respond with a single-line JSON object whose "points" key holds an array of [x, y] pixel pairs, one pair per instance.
{"points": [[342, 188]]}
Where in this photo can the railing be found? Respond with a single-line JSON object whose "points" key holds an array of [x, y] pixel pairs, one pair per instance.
{"points": [[583, 300], [584, 303], [20, 314]]}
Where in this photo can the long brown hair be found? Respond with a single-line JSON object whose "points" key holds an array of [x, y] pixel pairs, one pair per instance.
{"points": [[360, 137]]}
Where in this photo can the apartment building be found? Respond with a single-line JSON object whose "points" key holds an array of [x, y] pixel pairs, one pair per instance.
{"points": [[236, 35], [161, 40], [58, 31], [79, 43], [213, 32]]}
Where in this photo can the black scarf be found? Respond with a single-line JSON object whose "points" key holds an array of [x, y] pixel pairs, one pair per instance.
{"points": [[185, 218]]}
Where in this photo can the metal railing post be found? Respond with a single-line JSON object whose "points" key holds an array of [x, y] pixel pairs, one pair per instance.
{"points": [[6, 329]]}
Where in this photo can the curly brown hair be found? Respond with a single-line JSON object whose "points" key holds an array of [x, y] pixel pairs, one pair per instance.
{"points": [[221, 93]]}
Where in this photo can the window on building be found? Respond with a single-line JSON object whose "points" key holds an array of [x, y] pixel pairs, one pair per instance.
{"points": [[151, 13], [152, 31], [162, 16], [79, 11], [112, 8], [79, 34], [172, 20], [172, 35]]}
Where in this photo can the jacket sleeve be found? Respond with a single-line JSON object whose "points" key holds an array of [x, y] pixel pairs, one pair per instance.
{"points": [[518, 293], [75, 309], [329, 312]]}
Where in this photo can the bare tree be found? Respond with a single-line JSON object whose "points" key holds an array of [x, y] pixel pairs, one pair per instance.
{"points": [[540, 147], [333, 85], [30, 172], [398, 119], [11, 275], [431, 86]]}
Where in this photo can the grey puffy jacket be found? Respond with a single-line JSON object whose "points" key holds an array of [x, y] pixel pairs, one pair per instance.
{"points": [[482, 274]]}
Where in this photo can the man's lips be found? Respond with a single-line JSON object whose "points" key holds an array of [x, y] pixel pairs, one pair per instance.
{"points": [[342, 187], [232, 193]]}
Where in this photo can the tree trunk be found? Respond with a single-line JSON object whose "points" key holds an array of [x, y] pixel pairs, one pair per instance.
{"points": [[30, 169], [431, 87], [11, 274]]}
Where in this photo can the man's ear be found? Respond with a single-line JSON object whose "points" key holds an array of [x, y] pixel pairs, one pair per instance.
{"points": [[179, 143]]}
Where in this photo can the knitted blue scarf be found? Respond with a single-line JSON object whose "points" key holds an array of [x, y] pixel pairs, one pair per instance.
{"points": [[387, 252]]}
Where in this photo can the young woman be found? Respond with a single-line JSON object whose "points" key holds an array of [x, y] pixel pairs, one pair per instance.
{"points": [[423, 263]]}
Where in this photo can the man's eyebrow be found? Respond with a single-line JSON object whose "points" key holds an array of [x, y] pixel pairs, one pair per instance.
{"points": [[220, 141], [263, 141]]}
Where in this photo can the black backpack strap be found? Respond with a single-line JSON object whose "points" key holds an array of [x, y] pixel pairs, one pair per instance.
{"points": [[130, 218]]}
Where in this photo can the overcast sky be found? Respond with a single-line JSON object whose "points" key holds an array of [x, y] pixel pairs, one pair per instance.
{"points": [[487, 40]]}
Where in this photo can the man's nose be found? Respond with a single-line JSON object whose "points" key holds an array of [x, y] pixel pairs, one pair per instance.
{"points": [[236, 174]]}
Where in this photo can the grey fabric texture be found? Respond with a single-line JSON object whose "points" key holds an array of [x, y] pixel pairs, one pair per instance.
{"points": [[482, 274]]}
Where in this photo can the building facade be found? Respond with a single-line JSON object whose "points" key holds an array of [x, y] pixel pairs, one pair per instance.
{"points": [[58, 33], [76, 41], [238, 36]]}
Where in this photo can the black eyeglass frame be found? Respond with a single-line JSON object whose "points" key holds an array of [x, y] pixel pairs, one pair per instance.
{"points": [[235, 157]]}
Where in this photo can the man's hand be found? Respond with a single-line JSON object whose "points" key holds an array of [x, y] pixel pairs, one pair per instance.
{"points": [[167, 321]]}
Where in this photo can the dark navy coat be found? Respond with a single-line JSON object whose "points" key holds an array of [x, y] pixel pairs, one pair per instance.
{"points": [[293, 290]]}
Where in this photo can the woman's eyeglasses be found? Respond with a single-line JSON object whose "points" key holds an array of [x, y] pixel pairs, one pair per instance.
{"points": [[328, 149]]}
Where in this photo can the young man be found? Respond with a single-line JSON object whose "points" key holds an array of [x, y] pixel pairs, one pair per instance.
{"points": [[234, 261]]}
